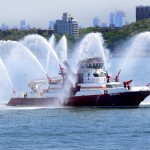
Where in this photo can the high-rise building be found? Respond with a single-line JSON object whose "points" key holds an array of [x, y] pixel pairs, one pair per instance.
{"points": [[67, 25], [96, 22], [104, 24], [23, 25], [142, 12], [127, 23], [112, 19], [51, 24], [4, 27], [117, 19], [28, 27]]}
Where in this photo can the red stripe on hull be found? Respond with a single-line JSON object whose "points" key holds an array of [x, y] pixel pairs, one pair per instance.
{"points": [[120, 99]]}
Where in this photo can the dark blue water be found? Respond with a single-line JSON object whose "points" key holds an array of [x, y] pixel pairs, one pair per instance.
{"points": [[81, 128], [75, 128]]}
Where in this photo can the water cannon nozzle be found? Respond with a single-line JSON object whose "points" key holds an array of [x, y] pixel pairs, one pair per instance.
{"points": [[49, 79]]}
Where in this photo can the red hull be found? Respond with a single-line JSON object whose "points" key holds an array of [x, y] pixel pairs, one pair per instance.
{"points": [[119, 99]]}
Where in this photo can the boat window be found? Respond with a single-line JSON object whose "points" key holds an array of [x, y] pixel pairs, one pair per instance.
{"points": [[113, 85], [103, 74], [97, 65], [95, 74], [101, 65], [89, 66], [82, 66], [109, 86], [119, 85], [94, 65]]}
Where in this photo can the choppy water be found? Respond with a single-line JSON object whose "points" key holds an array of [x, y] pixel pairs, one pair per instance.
{"points": [[75, 128], [29, 128]]}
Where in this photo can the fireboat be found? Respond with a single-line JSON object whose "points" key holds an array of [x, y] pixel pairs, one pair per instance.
{"points": [[92, 86]]}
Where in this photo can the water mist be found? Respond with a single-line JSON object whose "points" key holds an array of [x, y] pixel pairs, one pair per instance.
{"points": [[43, 51]]}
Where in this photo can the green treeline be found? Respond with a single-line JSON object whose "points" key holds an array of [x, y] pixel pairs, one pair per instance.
{"points": [[112, 36], [15, 35]]}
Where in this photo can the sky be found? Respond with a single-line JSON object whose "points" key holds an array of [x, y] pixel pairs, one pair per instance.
{"points": [[38, 13]]}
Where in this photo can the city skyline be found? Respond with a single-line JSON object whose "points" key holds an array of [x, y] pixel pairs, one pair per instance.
{"points": [[39, 14]]}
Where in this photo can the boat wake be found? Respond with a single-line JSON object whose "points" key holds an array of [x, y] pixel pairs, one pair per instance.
{"points": [[6, 107], [146, 101]]}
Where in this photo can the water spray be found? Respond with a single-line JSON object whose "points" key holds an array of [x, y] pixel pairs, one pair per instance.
{"points": [[6, 72], [52, 41], [36, 42]]}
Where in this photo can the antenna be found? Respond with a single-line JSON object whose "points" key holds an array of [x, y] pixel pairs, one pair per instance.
{"points": [[27, 78], [14, 92]]}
